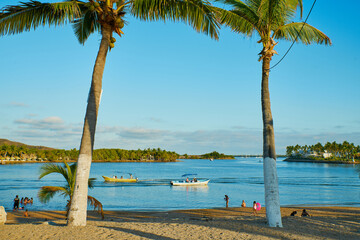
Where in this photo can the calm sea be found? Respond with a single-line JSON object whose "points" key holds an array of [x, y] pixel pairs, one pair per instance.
{"points": [[240, 179]]}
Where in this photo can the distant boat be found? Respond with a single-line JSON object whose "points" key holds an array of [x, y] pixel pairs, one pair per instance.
{"points": [[123, 180], [190, 182], [211, 159]]}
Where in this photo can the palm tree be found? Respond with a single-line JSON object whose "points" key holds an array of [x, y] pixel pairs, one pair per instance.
{"points": [[68, 172], [270, 19], [105, 17]]}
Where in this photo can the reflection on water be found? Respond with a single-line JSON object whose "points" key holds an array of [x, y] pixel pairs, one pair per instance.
{"points": [[200, 188], [240, 179]]}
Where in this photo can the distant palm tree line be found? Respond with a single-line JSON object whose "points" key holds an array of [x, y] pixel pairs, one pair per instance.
{"points": [[26, 153], [343, 150]]}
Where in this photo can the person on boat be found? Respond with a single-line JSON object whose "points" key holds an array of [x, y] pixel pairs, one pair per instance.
{"points": [[116, 177], [243, 204], [227, 200], [194, 180], [121, 177], [16, 203], [187, 179], [131, 177], [254, 208], [305, 213]]}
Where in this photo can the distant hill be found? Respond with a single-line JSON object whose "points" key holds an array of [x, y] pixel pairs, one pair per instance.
{"points": [[8, 142]]}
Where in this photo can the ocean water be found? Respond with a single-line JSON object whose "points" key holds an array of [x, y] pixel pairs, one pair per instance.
{"points": [[240, 179]]}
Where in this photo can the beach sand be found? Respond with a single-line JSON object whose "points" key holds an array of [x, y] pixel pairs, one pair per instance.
{"points": [[221, 223]]}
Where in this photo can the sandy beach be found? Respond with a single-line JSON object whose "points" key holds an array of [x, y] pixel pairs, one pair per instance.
{"points": [[221, 223]]}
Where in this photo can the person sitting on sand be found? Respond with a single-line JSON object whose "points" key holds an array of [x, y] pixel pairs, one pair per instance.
{"points": [[305, 213], [26, 214], [293, 213], [243, 204]]}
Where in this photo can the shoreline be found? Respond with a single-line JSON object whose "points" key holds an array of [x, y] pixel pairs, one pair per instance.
{"points": [[289, 159], [218, 223]]}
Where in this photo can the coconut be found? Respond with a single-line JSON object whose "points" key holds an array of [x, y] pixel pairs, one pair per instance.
{"points": [[112, 39], [120, 24], [111, 45], [92, 8]]}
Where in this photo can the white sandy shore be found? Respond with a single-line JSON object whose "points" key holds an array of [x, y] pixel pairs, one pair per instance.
{"points": [[231, 223]]}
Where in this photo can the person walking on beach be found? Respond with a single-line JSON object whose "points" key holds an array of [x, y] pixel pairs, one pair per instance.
{"points": [[254, 208], [227, 200], [16, 203]]}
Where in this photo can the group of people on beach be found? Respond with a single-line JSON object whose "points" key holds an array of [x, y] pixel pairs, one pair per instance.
{"points": [[256, 205], [303, 214], [21, 203]]}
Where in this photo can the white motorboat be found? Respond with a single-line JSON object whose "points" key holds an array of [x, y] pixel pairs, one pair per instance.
{"points": [[190, 183], [193, 181]]}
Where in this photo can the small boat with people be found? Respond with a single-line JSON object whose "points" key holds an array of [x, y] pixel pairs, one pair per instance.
{"points": [[121, 179], [190, 180]]}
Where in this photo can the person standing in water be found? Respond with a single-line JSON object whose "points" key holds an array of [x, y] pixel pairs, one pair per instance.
{"points": [[227, 200], [16, 203]]}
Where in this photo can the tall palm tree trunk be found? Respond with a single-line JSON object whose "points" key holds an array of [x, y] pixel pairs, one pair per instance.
{"points": [[272, 201], [78, 207]]}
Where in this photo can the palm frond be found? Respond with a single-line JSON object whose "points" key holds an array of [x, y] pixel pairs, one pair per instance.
{"points": [[86, 25], [240, 20], [299, 31], [30, 15], [96, 204], [197, 13], [274, 13], [49, 168], [47, 192]]}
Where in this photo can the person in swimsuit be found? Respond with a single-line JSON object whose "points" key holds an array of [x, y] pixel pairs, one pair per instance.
{"points": [[254, 208], [16, 203]]}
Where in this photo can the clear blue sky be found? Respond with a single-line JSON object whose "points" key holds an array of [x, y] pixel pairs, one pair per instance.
{"points": [[167, 86]]}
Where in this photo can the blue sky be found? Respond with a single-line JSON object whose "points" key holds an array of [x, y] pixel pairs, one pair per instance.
{"points": [[167, 86]]}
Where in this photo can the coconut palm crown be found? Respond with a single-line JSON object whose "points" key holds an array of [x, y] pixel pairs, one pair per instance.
{"points": [[271, 20], [46, 193], [105, 17]]}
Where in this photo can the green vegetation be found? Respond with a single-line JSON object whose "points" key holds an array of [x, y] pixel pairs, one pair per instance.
{"points": [[29, 153], [341, 152], [212, 155], [68, 172]]}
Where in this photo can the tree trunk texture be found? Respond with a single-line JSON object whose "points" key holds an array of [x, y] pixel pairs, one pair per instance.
{"points": [[78, 208], [272, 201]]}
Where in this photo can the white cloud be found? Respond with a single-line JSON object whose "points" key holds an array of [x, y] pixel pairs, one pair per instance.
{"points": [[49, 123], [18, 104]]}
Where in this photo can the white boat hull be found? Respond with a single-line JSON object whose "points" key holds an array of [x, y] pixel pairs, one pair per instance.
{"points": [[184, 183]]}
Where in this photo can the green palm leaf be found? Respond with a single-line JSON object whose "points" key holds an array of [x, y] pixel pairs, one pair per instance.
{"points": [[48, 192], [30, 15], [299, 31], [86, 25], [198, 14]]}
